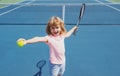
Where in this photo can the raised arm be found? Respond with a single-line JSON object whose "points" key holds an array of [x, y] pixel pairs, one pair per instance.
{"points": [[70, 32]]}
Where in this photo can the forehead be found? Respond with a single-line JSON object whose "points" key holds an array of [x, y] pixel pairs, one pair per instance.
{"points": [[55, 26]]}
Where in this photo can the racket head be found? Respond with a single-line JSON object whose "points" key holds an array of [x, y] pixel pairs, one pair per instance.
{"points": [[82, 10], [40, 64]]}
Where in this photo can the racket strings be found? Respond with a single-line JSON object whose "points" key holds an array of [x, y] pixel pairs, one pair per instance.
{"points": [[82, 10]]}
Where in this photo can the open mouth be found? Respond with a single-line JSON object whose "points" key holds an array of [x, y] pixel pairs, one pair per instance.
{"points": [[56, 32]]}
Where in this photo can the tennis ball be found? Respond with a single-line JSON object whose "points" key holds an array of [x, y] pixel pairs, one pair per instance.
{"points": [[20, 43]]}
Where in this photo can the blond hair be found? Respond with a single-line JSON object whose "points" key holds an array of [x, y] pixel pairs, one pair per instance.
{"points": [[55, 21]]}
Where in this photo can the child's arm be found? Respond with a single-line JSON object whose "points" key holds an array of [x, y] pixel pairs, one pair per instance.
{"points": [[69, 33], [36, 39], [33, 40]]}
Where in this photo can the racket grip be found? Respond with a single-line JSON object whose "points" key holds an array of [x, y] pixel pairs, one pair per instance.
{"points": [[75, 30], [74, 33]]}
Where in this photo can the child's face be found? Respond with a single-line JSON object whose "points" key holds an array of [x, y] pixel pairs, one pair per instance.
{"points": [[55, 30]]}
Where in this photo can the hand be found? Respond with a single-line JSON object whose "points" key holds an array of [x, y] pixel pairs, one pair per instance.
{"points": [[75, 29], [21, 42]]}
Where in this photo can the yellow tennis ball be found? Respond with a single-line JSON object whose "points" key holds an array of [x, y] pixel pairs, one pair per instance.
{"points": [[20, 43]]}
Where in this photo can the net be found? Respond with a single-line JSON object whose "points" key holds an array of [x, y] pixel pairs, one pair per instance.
{"points": [[39, 13]]}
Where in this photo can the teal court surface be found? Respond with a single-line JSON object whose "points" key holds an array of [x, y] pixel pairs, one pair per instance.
{"points": [[93, 51]]}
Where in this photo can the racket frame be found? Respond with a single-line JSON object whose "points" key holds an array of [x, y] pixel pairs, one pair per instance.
{"points": [[82, 10]]}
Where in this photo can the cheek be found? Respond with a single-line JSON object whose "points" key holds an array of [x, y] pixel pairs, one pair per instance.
{"points": [[51, 30], [59, 29]]}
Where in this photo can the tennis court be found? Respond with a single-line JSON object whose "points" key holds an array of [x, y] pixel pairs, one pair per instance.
{"points": [[94, 51]]}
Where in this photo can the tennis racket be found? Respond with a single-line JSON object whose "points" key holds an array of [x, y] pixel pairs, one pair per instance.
{"points": [[82, 10], [40, 65]]}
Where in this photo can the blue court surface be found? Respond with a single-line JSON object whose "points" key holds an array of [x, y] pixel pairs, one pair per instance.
{"points": [[93, 51]]}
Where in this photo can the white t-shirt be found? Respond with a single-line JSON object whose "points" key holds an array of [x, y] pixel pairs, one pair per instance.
{"points": [[57, 49]]}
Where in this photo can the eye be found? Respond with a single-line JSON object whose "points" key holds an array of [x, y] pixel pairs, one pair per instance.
{"points": [[52, 27], [57, 27]]}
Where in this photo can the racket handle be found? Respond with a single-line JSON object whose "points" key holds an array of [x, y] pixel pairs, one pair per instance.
{"points": [[75, 30], [74, 33]]}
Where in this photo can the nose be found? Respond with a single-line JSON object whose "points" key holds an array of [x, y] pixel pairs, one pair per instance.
{"points": [[55, 30]]}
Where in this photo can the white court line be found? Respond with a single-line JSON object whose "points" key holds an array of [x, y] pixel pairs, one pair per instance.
{"points": [[109, 6], [107, 1], [15, 8], [58, 4], [111, 2]]}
